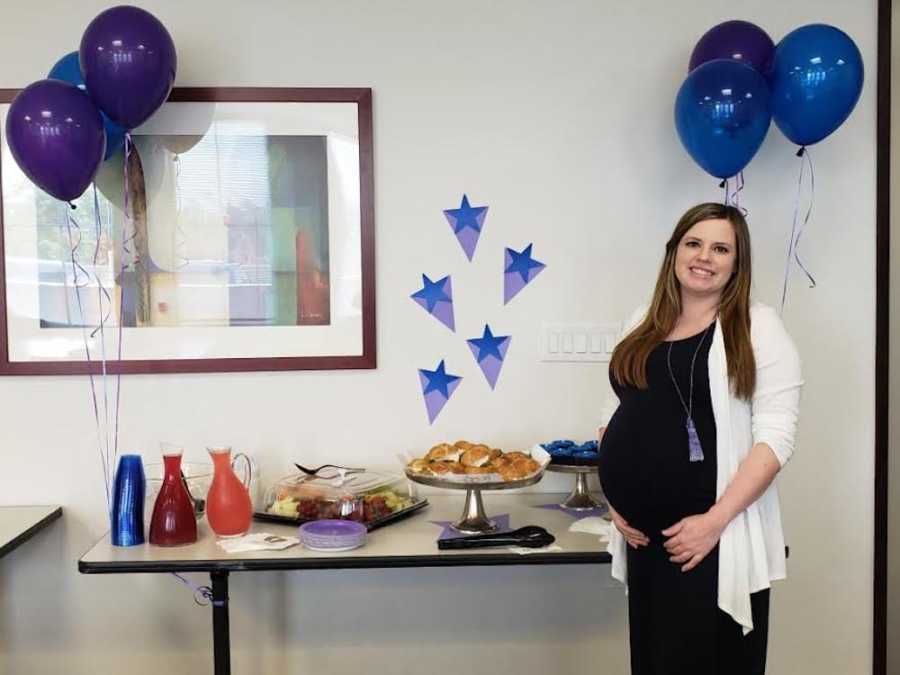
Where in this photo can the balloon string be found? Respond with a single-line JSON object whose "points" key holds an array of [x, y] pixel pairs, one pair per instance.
{"points": [[124, 264], [797, 227], [77, 268], [129, 257], [739, 187], [733, 198], [180, 236], [812, 191], [102, 295], [203, 595]]}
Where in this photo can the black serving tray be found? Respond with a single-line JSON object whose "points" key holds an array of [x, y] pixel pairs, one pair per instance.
{"points": [[574, 461], [372, 525]]}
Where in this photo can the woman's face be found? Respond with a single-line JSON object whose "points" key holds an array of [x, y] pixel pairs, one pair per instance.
{"points": [[705, 258]]}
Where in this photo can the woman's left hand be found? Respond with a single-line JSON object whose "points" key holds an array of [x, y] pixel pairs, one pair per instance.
{"points": [[692, 538]]}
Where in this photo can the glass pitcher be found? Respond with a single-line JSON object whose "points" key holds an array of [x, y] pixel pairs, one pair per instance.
{"points": [[229, 509], [173, 522]]}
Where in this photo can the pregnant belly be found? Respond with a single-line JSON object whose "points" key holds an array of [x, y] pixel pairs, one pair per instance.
{"points": [[636, 484], [620, 466]]}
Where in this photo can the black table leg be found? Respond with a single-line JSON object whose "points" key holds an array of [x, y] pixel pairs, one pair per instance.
{"points": [[221, 632]]}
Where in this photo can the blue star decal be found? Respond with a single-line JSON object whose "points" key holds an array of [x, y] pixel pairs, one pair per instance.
{"points": [[438, 380], [466, 216], [432, 292], [522, 262], [488, 345]]}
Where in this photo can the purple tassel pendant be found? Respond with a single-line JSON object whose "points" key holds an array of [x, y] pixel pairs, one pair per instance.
{"points": [[696, 450]]}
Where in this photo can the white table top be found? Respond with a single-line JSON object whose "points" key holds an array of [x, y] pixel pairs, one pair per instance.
{"points": [[407, 543], [18, 524]]}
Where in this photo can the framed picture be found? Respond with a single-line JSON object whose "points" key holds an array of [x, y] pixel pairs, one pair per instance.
{"points": [[236, 234]]}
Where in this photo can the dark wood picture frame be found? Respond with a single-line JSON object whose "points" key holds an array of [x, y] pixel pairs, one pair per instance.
{"points": [[362, 97]]}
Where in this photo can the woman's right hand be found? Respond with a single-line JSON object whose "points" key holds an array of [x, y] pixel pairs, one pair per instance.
{"points": [[635, 538]]}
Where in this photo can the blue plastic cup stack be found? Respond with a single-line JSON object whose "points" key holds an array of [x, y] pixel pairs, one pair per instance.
{"points": [[127, 515]]}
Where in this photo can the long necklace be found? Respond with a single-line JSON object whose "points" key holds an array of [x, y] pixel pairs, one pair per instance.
{"points": [[695, 453]]}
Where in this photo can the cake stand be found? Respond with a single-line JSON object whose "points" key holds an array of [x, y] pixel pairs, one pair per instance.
{"points": [[473, 519], [580, 499]]}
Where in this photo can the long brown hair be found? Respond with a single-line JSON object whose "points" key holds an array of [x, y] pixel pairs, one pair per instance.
{"points": [[629, 360]]}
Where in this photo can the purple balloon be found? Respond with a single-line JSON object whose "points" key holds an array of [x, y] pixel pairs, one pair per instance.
{"points": [[739, 40], [55, 134], [128, 60]]}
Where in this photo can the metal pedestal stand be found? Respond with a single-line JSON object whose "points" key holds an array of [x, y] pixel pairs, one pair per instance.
{"points": [[473, 519], [580, 499]]}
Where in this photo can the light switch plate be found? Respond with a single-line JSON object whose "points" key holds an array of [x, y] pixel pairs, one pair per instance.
{"points": [[574, 342]]}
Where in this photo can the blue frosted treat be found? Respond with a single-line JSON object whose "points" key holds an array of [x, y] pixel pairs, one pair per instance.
{"points": [[570, 453], [561, 452], [554, 447]]}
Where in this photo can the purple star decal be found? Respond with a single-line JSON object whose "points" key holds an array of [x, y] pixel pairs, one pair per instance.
{"points": [[519, 270], [448, 532], [466, 222], [437, 388], [576, 513], [436, 297], [490, 351]]}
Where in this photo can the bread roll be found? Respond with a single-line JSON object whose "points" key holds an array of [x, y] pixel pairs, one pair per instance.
{"points": [[499, 462], [476, 470], [418, 466], [439, 468], [519, 468], [477, 455], [439, 449], [455, 467]]}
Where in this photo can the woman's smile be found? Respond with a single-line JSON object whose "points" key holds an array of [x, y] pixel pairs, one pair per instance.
{"points": [[702, 272]]}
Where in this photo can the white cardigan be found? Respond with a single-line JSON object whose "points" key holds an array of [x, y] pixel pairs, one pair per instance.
{"points": [[751, 549]]}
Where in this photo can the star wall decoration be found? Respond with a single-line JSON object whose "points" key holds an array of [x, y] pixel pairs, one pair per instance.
{"points": [[437, 388], [436, 298], [490, 352], [519, 270], [466, 223]]}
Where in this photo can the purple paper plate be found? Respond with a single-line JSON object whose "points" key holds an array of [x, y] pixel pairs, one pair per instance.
{"points": [[332, 535]]}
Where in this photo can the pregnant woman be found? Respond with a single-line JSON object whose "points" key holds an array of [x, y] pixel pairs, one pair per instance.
{"points": [[707, 391]]}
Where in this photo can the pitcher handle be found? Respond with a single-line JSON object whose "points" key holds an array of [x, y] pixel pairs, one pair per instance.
{"points": [[248, 474]]}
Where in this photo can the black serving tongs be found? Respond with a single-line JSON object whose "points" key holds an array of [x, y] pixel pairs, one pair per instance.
{"points": [[530, 536]]}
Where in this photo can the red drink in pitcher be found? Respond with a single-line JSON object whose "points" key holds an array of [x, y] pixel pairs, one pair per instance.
{"points": [[228, 505], [174, 521]]}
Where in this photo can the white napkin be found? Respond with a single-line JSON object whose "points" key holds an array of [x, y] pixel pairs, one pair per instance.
{"points": [[592, 525], [522, 550], [260, 541]]}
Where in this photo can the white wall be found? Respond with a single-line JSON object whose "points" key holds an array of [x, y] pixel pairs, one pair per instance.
{"points": [[559, 117]]}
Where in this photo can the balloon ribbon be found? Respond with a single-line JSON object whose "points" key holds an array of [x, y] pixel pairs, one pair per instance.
{"points": [[799, 225]]}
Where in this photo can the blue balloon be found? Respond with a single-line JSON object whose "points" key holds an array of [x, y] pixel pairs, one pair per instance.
{"points": [[816, 79], [68, 70], [722, 115]]}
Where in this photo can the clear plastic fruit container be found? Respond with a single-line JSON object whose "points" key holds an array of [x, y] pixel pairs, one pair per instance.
{"points": [[364, 497]]}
